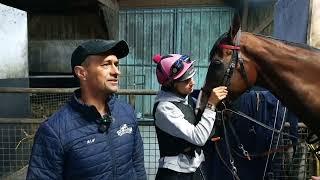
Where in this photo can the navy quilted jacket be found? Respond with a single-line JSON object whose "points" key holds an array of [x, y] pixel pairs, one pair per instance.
{"points": [[69, 146]]}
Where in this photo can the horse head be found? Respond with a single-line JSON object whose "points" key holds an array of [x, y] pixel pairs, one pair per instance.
{"points": [[228, 66], [288, 70]]}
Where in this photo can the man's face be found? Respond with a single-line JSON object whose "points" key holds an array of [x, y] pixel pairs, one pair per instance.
{"points": [[102, 73]]}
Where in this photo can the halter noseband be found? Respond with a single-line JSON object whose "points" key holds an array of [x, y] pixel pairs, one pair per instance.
{"points": [[226, 46]]}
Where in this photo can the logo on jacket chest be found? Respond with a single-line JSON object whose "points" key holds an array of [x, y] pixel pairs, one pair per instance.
{"points": [[89, 141], [124, 129]]}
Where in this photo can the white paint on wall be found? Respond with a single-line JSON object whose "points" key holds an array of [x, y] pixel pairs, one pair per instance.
{"points": [[13, 43], [314, 37]]}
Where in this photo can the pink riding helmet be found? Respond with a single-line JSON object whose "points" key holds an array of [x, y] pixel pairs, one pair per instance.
{"points": [[171, 67]]}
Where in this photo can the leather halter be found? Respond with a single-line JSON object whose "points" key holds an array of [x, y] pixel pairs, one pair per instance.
{"points": [[235, 60], [233, 64]]}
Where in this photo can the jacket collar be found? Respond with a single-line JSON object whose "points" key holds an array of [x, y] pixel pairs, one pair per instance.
{"points": [[89, 111]]}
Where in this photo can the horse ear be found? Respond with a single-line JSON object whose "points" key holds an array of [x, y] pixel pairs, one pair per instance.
{"points": [[234, 28]]}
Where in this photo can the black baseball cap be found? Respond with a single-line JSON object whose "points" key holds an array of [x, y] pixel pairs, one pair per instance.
{"points": [[96, 47]]}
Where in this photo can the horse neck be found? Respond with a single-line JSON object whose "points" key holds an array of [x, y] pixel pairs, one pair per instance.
{"points": [[288, 71]]}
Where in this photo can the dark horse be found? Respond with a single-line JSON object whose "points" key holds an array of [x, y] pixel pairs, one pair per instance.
{"points": [[290, 71]]}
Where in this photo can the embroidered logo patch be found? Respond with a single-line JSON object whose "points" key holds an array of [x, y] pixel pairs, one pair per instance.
{"points": [[89, 141], [124, 129]]}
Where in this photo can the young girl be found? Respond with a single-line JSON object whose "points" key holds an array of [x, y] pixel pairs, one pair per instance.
{"points": [[180, 134]]}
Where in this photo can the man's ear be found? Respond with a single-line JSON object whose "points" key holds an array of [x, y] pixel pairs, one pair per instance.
{"points": [[80, 72]]}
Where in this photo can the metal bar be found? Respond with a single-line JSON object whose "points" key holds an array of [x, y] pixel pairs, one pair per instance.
{"points": [[21, 120], [70, 90], [154, 65], [50, 76], [142, 122], [300, 125]]}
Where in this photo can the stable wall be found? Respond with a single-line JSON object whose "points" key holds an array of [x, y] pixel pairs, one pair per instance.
{"points": [[14, 61]]}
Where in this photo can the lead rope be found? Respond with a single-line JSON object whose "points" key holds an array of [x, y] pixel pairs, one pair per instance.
{"points": [[281, 128], [270, 145], [269, 128], [245, 153], [259, 123], [231, 160], [227, 82], [235, 176]]}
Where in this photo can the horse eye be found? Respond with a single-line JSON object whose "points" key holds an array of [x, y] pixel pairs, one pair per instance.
{"points": [[216, 61]]}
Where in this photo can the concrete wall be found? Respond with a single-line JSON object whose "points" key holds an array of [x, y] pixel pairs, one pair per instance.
{"points": [[14, 43], [14, 61]]}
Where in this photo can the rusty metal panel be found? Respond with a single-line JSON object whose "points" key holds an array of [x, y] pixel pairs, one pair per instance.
{"points": [[189, 31], [14, 43]]}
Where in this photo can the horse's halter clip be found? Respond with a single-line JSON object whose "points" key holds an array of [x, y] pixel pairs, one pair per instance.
{"points": [[313, 143]]}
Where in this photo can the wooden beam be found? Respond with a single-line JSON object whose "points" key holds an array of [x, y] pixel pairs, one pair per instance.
{"points": [[54, 6], [263, 25], [110, 10], [169, 3], [112, 4], [244, 23]]}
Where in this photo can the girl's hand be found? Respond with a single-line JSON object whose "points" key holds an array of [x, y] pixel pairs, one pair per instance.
{"points": [[217, 95]]}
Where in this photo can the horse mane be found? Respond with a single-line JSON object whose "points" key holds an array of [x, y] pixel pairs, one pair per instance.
{"points": [[224, 38], [300, 45]]}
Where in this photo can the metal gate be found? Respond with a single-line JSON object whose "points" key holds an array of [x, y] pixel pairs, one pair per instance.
{"points": [[190, 31]]}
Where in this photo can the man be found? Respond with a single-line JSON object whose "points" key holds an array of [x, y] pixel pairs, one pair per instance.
{"points": [[94, 136]]}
